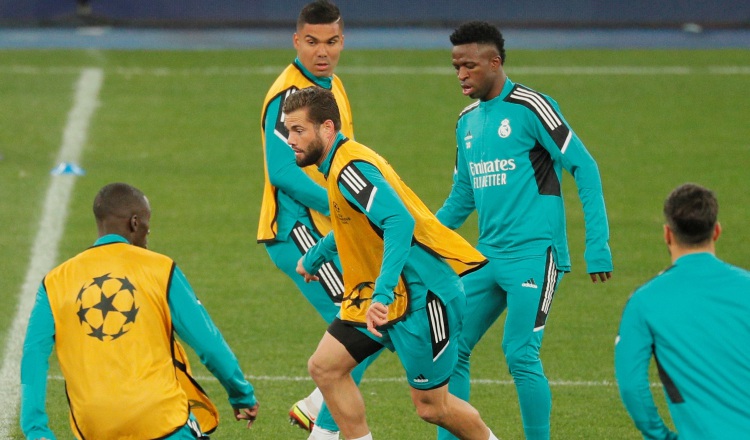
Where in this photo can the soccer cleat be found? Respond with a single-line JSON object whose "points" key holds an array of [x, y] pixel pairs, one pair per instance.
{"points": [[300, 416]]}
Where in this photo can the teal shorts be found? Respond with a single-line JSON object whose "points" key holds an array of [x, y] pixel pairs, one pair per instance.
{"points": [[425, 340], [191, 431]]}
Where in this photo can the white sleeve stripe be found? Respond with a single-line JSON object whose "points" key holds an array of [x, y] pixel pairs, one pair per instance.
{"points": [[331, 279], [356, 176], [281, 136], [541, 114], [351, 186], [543, 105], [354, 180], [326, 271], [336, 282], [567, 142], [371, 199]]}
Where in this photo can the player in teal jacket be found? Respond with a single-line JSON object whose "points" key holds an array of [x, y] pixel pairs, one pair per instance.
{"points": [[512, 146], [693, 319]]}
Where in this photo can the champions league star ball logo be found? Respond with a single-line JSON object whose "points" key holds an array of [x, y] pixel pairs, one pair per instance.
{"points": [[106, 307]]}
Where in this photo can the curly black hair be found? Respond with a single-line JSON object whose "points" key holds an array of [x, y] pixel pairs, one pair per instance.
{"points": [[479, 32]]}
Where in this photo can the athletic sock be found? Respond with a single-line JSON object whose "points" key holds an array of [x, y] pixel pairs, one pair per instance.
{"points": [[367, 437], [314, 401], [319, 433]]}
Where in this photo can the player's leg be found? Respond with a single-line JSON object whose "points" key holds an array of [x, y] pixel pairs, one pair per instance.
{"points": [[340, 350], [325, 425], [426, 343], [485, 301], [530, 284], [457, 416], [325, 297]]}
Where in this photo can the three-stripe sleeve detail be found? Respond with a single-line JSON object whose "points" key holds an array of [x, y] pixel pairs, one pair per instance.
{"points": [[550, 118], [357, 184], [330, 276]]}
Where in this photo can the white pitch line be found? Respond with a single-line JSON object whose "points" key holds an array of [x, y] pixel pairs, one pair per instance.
{"points": [[45, 246], [554, 383], [390, 70]]}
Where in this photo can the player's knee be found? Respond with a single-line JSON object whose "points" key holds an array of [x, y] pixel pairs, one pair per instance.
{"points": [[318, 372], [523, 361], [429, 412]]}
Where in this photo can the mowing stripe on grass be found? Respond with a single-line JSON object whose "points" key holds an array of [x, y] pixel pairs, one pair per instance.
{"points": [[44, 248], [389, 70]]}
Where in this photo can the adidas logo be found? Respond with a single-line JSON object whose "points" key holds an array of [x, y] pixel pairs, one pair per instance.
{"points": [[420, 379], [468, 136], [529, 283]]}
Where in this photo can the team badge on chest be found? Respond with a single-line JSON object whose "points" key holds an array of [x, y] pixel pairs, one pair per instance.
{"points": [[504, 130]]}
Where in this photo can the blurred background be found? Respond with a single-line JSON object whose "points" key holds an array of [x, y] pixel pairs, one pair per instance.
{"points": [[243, 13]]}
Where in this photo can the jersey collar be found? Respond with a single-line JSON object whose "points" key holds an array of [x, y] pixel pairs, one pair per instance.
{"points": [[321, 81], [325, 166], [507, 88], [110, 238]]}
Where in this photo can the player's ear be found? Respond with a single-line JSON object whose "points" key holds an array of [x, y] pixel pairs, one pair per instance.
{"points": [[667, 235], [295, 40], [133, 223], [717, 231]]}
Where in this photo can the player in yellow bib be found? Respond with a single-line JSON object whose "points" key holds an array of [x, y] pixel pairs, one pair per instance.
{"points": [[294, 211], [401, 275], [112, 313]]}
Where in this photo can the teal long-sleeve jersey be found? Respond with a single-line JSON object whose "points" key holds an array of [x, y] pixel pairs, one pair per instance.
{"points": [[511, 151], [694, 319]]}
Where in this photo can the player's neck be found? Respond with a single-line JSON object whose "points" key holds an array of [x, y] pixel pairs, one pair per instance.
{"points": [[677, 251]]}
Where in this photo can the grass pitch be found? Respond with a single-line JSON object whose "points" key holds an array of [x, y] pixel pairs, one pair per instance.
{"points": [[184, 127]]}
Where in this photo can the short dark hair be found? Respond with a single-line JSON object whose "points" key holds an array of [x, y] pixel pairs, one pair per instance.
{"points": [[320, 12], [691, 212], [320, 103], [479, 32], [118, 200]]}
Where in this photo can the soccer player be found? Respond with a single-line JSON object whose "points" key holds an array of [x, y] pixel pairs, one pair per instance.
{"points": [[400, 275], [512, 146], [294, 212], [692, 319], [112, 313]]}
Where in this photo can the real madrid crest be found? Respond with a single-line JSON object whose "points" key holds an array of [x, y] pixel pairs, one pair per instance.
{"points": [[504, 130]]}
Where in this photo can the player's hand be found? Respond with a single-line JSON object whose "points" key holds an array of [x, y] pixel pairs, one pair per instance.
{"points": [[600, 276], [377, 315], [249, 414], [301, 270]]}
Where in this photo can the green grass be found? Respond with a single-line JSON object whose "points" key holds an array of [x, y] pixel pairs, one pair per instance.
{"points": [[189, 137]]}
